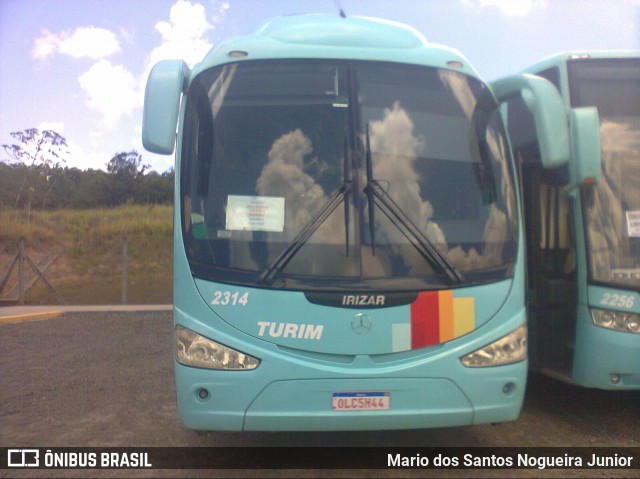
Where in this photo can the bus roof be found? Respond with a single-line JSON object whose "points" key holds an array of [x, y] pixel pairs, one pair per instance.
{"points": [[335, 37], [561, 58]]}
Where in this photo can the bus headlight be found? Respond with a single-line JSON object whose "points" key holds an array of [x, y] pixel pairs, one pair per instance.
{"points": [[195, 350], [616, 320], [511, 348]]}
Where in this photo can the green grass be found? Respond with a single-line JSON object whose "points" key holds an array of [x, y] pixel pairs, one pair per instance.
{"points": [[38, 232], [90, 244]]}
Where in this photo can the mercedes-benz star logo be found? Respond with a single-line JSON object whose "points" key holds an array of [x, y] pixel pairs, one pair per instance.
{"points": [[361, 324]]}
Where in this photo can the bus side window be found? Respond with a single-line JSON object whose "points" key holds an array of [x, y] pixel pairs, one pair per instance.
{"points": [[558, 254]]}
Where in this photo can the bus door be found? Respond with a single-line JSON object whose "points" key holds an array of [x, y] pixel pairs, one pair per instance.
{"points": [[551, 263]]}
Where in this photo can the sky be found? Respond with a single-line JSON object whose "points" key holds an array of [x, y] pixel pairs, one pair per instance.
{"points": [[79, 67]]}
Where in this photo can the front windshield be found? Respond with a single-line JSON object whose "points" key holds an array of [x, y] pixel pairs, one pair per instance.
{"points": [[612, 213], [278, 155]]}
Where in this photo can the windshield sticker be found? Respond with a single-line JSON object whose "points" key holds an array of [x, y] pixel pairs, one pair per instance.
{"points": [[625, 275], [255, 213], [633, 223]]}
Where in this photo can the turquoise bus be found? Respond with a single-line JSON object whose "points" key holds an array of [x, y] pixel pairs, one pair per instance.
{"points": [[348, 253], [582, 223]]}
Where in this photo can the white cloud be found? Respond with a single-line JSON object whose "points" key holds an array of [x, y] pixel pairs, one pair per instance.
{"points": [[84, 159], [112, 90], [45, 46], [184, 36], [509, 8], [84, 42]]}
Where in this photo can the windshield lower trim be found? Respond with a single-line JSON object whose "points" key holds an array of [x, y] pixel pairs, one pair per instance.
{"points": [[341, 284], [612, 285]]}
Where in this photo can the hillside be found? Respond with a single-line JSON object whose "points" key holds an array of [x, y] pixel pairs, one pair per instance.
{"points": [[88, 246]]}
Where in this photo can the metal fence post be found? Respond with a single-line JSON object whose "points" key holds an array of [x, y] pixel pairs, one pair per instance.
{"points": [[125, 253], [21, 270]]}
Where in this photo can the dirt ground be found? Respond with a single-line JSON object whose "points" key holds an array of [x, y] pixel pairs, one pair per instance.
{"points": [[106, 380]]}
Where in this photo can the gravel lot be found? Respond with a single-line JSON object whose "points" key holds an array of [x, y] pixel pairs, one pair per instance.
{"points": [[106, 380]]}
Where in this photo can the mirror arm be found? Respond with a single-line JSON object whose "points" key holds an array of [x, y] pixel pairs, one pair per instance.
{"points": [[544, 102]]}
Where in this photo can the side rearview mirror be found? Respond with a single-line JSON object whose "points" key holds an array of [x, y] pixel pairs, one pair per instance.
{"points": [[585, 133], [549, 114], [167, 81]]}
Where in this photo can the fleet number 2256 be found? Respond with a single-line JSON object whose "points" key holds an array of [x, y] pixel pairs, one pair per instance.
{"points": [[619, 300]]}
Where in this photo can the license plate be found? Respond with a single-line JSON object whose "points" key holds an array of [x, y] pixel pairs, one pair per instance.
{"points": [[361, 401]]}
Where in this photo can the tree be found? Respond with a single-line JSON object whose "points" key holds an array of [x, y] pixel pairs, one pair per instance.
{"points": [[25, 182], [126, 173], [42, 153], [127, 163], [156, 188]]}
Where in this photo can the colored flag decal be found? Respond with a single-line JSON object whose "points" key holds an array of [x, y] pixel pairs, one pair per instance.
{"points": [[437, 317]]}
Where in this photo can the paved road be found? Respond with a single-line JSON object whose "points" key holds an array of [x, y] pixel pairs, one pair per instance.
{"points": [[106, 379]]}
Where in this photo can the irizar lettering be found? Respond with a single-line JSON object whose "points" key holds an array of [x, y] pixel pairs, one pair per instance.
{"points": [[363, 300], [290, 330]]}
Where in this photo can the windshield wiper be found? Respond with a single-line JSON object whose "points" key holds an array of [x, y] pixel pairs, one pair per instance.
{"points": [[341, 194], [370, 192], [348, 180], [378, 197]]}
